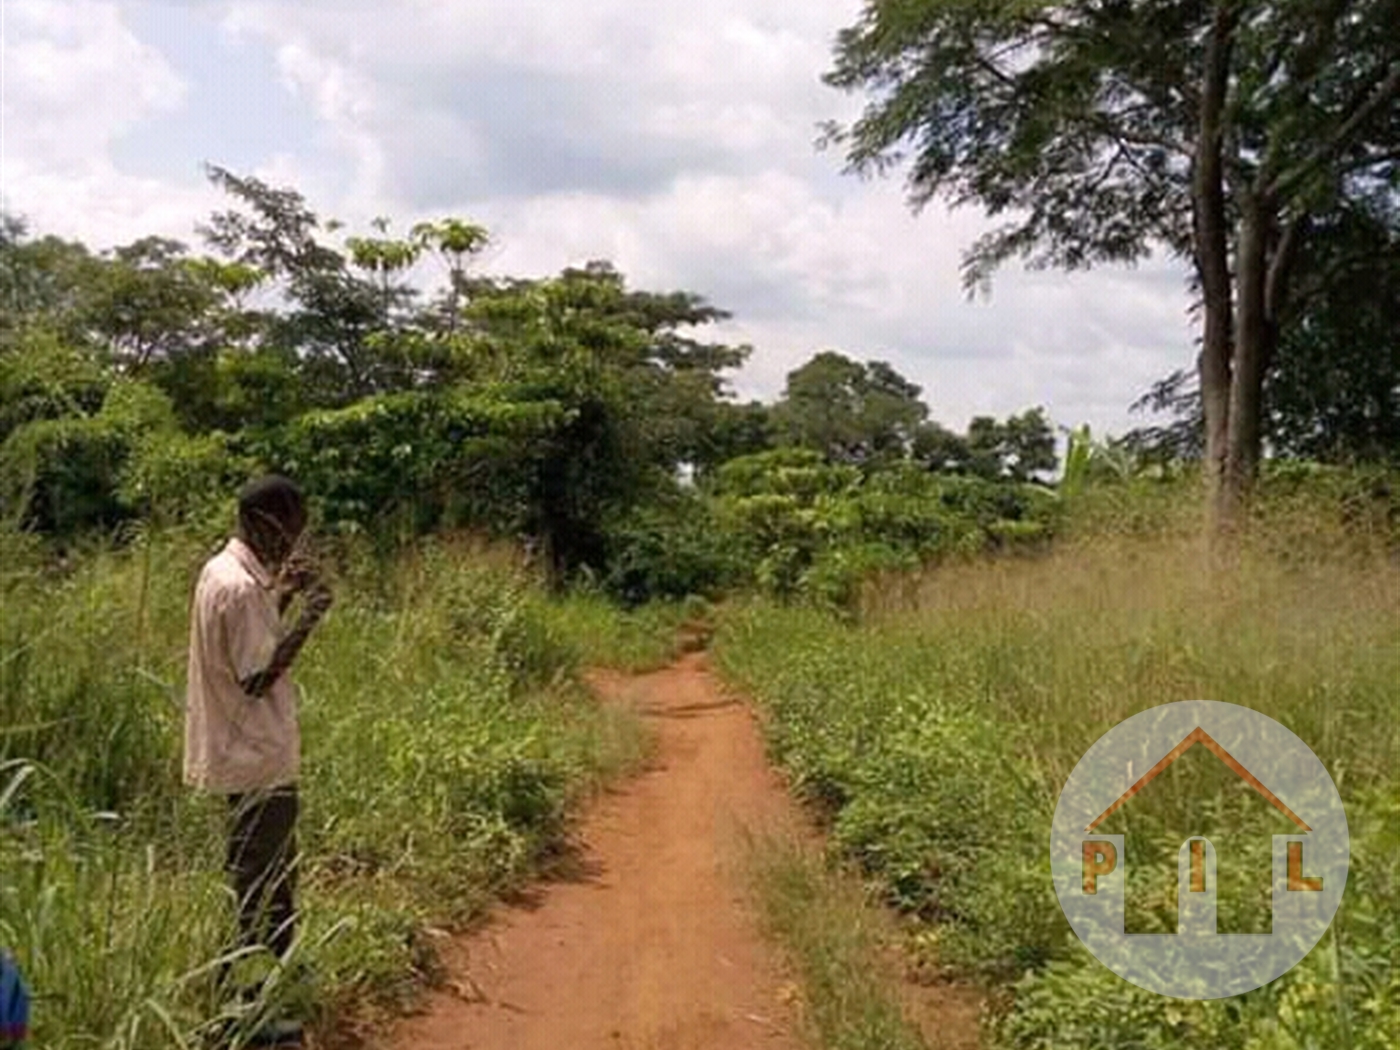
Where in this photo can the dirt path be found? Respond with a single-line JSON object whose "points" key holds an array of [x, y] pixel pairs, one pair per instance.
{"points": [[653, 946]]}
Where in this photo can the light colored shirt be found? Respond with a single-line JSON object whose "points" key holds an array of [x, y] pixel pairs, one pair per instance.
{"points": [[235, 742]]}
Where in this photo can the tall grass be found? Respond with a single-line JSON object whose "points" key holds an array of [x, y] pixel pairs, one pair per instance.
{"points": [[936, 734], [833, 940], [445, 740]]}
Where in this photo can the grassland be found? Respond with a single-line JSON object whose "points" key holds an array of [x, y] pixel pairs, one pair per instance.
{"points": [[446, 743], [934, 734], [835, 942]]}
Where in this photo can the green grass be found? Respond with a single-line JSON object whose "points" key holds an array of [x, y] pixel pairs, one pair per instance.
{"points": [[446, 743], [637, 640], [935, 735], [832, 937]]}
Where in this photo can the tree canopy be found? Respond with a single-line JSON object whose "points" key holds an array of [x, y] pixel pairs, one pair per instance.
{"points": [[409, 392], [1232, 133]]}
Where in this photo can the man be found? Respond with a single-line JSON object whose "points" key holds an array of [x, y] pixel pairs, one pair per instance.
{"points": [[241, 735]]}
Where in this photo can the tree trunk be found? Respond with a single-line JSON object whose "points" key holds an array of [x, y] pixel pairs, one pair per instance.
{"points": [[1252, 350], [1212, 252]]}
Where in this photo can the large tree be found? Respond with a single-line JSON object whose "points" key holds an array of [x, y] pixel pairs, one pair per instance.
{"points": [[1225, 131], [849, 411], [1334, 391]]}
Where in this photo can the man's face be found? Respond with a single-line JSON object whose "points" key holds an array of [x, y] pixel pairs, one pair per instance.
{"points": [[276, 535]]}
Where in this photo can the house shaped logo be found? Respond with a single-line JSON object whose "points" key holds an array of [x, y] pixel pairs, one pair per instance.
{"points": [[1265, 762]]}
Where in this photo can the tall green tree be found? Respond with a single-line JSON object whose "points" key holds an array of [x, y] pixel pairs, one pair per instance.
{"points": [[642, 394], [46, 283], [849, 411], [556, 408], [1223, 131], [1017, 449], [338, 301], [1334, 392]]}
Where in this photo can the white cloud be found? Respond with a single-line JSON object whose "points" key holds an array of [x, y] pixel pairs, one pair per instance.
{"points": [[863, 276], [75, 79], [732, 82], [674, 138], [345, 101]]}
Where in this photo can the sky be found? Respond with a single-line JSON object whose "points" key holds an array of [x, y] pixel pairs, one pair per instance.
{"points": [[675, 138]]}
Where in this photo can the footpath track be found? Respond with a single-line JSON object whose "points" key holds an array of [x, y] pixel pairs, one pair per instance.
{"points": [[650, 942]]}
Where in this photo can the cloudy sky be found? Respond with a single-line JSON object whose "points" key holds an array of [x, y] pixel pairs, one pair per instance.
{"points": [[672, 137]]}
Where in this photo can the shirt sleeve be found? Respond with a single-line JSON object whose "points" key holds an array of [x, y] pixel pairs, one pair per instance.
{"points": [[250, 629]]}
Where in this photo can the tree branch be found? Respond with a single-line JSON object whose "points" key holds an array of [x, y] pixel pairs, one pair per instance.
{"points": [[1281, 267], [1370, 100], [1370, 160]]}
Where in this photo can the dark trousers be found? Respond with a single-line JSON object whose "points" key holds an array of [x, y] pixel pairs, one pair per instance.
{"points": [[261, 866]]}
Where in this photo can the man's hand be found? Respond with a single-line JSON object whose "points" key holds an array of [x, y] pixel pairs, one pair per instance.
{"points": [[258, 683], [318, 600], [299, 571]]}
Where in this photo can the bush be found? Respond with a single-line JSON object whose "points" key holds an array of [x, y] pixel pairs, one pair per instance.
{"points": [[77, 473], [934, 736], [808, 529], [436, 771], [669, 552]]}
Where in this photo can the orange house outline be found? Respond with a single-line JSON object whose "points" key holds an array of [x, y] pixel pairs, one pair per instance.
{"points": [[1199, 736]]}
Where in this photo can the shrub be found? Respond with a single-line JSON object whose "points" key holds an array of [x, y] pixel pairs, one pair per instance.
{"points": [[669, 552]]}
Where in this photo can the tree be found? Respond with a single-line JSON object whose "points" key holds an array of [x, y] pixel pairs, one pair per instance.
{"points": [[1183, 438], [1333, 394], [732, 430], [339, 302], [849, 411], [151, 302], [1017, 449], [1224, 131], [937, 448], [641, 395], [557, 408], [46, 285], [1029, 443]]}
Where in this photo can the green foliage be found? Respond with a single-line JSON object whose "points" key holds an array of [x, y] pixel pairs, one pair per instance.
{"points": [[45, 284], [571, 411], [1086, 133], [64, 473], [151, 302], [1332, 393], [669, 551], [43, 377], [640, 639], [441, 458], [233, 389], [849, 411], [1018, 449], [175, 476], [440, 764], [1239, 137], [1335, 393], [808, 527], [833, 938], [920, 787], [935, 735], [75, 472]]}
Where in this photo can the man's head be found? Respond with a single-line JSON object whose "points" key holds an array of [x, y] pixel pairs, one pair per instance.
{"points": [[271, 515]]}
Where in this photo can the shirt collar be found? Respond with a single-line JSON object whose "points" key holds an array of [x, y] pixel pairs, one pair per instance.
{"points": [[245, 556]]}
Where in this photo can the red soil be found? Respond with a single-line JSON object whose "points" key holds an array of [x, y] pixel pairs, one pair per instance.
{"points": [[651, 943]]}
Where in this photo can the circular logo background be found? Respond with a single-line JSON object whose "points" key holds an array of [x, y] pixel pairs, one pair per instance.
{"points": [[1310, 859]]}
